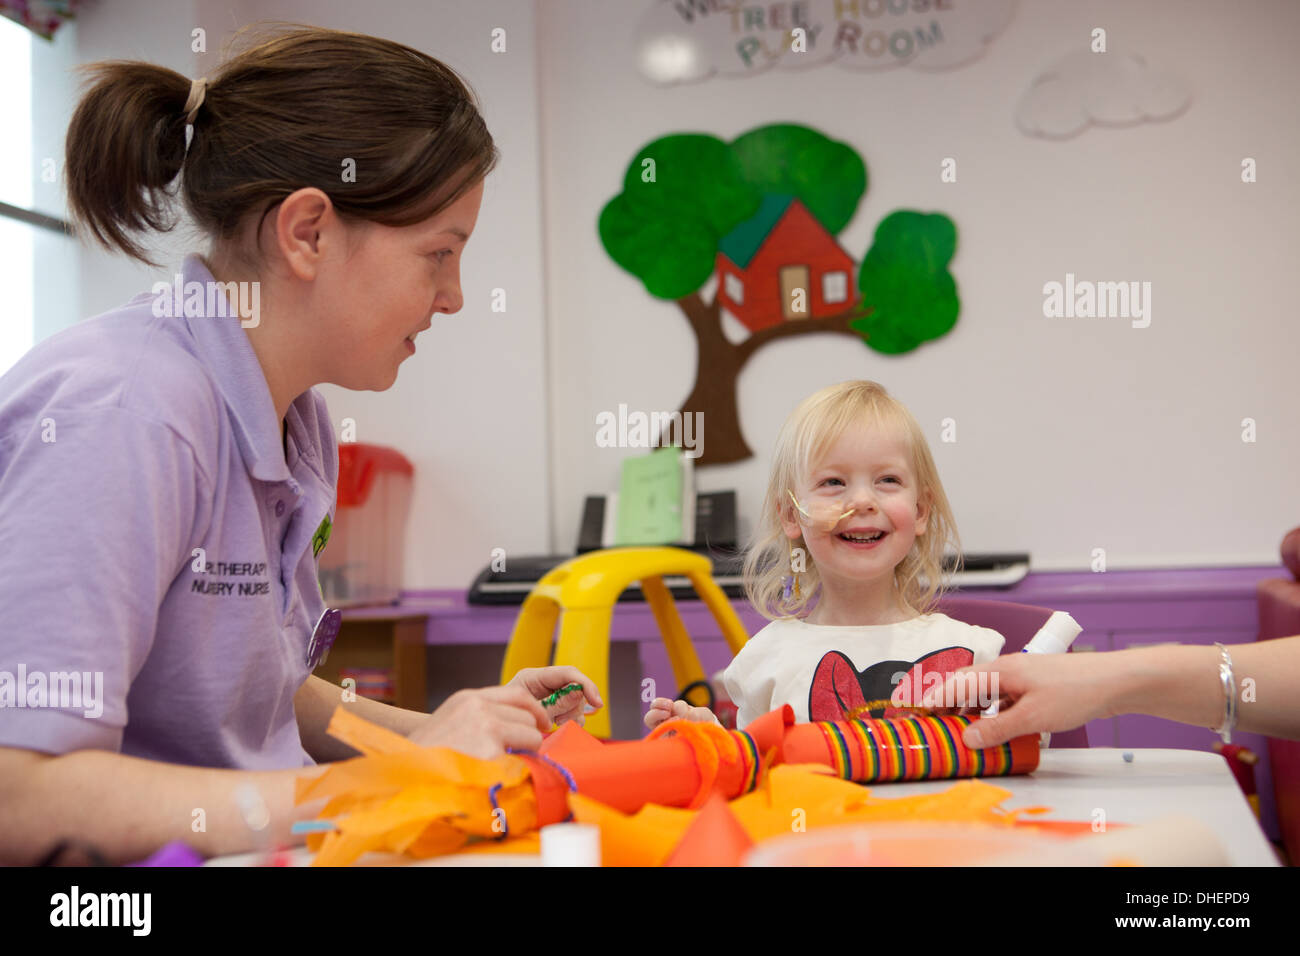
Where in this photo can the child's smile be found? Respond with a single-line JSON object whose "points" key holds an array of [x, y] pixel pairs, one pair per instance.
{"points": [[861, 541], [859, 515]]}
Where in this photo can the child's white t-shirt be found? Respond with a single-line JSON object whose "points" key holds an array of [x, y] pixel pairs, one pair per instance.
{"points": [[827, 672]]}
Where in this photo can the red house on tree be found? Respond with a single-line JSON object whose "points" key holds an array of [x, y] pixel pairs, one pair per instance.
{"points": [[766, 261]]}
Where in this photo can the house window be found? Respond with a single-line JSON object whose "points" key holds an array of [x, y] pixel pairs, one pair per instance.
{"points": [[735, 289], [835, 286]]}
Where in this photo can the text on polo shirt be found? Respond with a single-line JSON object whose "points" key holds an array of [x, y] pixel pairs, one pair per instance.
{"points": [[214, 570]]}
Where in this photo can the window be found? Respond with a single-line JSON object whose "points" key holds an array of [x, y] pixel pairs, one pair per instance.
{"points": [[735, 289], [835, 286], [17, 275], [38, 260]]}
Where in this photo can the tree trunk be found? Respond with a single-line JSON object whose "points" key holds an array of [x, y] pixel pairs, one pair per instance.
{"points": [[717, 368], [717, 365]]}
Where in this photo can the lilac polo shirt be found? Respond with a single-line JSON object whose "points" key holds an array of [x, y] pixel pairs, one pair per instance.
{"points": [[128, 443]]}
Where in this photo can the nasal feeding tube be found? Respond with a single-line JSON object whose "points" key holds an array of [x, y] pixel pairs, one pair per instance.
{"points": [[828, 513], [827, 517]]}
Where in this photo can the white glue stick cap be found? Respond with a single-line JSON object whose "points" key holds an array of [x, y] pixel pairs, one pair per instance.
{"points": [[570, 844], [1055, 636]]}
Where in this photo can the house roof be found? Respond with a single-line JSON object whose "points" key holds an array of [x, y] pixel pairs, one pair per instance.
{"points": [[744, 241]]}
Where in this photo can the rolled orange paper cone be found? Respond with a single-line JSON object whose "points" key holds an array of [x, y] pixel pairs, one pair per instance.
{"points": [[679, 765], [768, 731], [683, 762]]}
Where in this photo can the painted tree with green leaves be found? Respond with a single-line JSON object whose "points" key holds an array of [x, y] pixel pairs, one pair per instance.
{"points": [[684, 193]]}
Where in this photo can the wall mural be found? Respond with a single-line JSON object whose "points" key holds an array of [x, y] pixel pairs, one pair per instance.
{"points": [[760, 215], [1105, 88]]}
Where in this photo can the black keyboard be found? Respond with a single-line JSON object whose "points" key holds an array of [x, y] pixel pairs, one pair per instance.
{"points": [[512, 585]]}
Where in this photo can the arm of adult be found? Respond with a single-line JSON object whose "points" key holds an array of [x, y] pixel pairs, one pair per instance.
{"points": [[485, 722], [1058, 692], [316, 702], [47, 799], [481, 722], [124, 808], [96, 520]]}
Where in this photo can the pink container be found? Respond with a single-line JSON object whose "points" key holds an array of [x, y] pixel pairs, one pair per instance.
{"points": [[363, 562]]}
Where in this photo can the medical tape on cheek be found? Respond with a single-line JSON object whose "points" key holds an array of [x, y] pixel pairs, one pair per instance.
{"points": [[826, 516]]}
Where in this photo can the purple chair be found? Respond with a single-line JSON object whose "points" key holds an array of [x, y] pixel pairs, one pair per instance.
{"points": [[1017, 623], [1279, 616]]}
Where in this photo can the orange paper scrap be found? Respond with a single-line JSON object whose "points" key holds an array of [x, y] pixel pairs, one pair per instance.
{"points": [[714, 838], [791, 799]]}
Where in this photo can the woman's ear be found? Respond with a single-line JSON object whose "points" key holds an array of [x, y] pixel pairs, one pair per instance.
{"points": [[299, 221]]}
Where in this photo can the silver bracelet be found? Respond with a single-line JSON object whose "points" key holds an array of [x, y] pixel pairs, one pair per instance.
{"points": [[1229, 694]]}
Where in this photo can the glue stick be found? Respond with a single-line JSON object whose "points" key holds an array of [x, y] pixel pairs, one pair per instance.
{"points": [[1055, 636], [570, 844]]}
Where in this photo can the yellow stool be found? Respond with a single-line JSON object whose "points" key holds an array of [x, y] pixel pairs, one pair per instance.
{"points": [[584, 591]]}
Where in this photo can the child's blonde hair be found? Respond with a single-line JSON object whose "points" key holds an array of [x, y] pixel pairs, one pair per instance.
{"points": [[807, 435]]}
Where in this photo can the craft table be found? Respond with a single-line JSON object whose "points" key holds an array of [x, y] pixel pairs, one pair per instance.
{"points": [[1074, 783]]}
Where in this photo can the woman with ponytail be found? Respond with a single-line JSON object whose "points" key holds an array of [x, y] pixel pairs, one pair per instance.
{"points": [[167, 469]]}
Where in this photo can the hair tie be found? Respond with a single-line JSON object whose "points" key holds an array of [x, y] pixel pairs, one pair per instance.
{"points": [[198, 90]]}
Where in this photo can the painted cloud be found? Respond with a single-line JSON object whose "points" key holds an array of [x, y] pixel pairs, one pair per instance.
{"points": [[1108, 89]]}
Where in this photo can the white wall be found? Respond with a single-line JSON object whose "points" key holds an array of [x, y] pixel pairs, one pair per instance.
{"points": [[1072, 434]]}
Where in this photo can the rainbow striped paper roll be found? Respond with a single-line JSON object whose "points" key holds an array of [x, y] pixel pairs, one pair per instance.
{"points": [[905, 748]]}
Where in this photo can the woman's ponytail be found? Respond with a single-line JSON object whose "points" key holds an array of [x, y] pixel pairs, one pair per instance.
{"points": [[125, 146], [296, 109]]}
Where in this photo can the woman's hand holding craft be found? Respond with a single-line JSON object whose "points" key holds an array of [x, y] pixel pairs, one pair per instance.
{"points": [[546, 682], [1045, 692], [483, 723]]}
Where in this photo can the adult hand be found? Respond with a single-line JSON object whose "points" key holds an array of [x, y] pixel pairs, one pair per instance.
{"points": [[1047, 692], [484, 722], [541, 682]]}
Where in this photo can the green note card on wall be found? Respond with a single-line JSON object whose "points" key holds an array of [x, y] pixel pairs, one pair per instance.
{"points": [[650, 499]]}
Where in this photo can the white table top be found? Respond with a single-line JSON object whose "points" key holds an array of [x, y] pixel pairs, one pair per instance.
{"points": [[1157, 783], [1073, 782]]}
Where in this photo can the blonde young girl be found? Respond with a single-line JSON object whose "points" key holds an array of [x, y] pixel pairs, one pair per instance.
{"points": [[847, 565]]}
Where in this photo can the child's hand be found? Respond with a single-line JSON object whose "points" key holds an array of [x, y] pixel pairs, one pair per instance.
{"points": [[664, 709]]}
